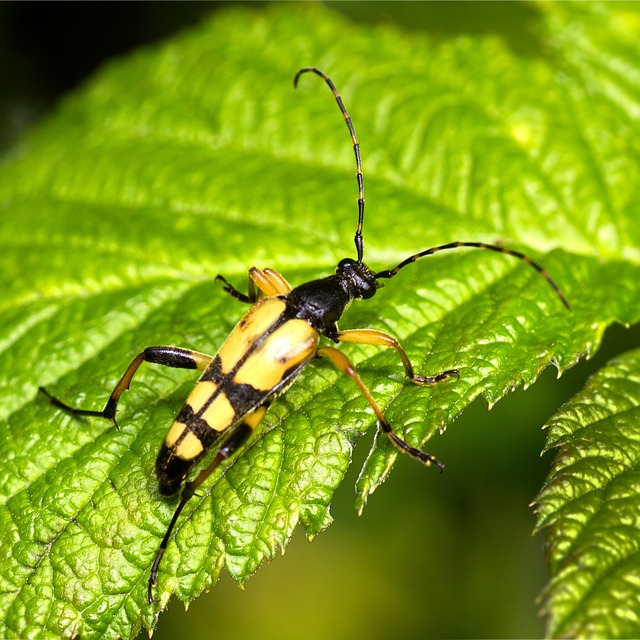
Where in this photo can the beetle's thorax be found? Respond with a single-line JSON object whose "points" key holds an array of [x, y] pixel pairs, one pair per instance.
{"points": [[322, 302]]}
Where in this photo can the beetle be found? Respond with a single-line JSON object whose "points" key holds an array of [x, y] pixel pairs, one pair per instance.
{"points": [[265, 352]]}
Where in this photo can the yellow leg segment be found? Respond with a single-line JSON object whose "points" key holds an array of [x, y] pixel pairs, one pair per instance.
{"points": [[372, 336], [269, 281]]}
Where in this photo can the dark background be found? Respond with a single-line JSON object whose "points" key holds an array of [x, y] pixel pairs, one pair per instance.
{"points": [[46, 49]]}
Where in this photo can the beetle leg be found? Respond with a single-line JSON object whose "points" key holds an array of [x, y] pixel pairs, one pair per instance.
{"points": [[270, 282], [167, 356], [237, 437], [261, 283], [372, 336], [251, 298], [344, 364]]}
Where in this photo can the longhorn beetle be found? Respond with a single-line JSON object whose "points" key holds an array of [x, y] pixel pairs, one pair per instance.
{"points": [[266, 351]]}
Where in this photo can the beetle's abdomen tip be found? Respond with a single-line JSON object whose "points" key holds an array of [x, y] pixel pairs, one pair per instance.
{"points": [[167, 488]]}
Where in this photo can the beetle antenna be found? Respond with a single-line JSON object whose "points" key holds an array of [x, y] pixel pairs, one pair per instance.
{"points": [[356, 149], [389, 273]]}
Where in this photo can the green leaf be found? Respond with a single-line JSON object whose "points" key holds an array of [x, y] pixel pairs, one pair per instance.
{"points": [[195, 158], [590, 505]]}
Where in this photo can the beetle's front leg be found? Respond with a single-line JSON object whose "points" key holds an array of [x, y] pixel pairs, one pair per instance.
{"points": [[261, 283]]}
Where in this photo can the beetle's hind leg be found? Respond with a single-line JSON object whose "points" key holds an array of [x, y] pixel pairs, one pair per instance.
{"points": [[167, 356], [372, 336], [236, 438], [267, 282], [344, 364]]}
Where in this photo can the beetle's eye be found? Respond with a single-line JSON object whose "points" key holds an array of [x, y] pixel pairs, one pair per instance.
{"points": [[367, 290]]}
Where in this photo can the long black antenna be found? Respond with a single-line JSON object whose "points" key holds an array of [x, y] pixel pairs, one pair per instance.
{"points": [[389, 273], [356, 149]]}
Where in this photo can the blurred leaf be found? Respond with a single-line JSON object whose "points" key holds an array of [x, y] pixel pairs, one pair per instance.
{"points": [[195, 158], [590, 504]]}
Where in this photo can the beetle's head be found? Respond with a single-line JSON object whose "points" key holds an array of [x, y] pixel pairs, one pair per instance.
{"points": [[358, 278]]}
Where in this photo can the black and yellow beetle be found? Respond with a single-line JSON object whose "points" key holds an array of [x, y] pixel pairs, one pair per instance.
{"points": [[265, 352]]}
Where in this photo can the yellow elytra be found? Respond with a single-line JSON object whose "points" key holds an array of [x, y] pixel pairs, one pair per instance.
{"points": [[261, 356]]}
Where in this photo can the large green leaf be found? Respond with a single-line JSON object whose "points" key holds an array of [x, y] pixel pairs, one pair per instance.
{"points": [[196, 158]]}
